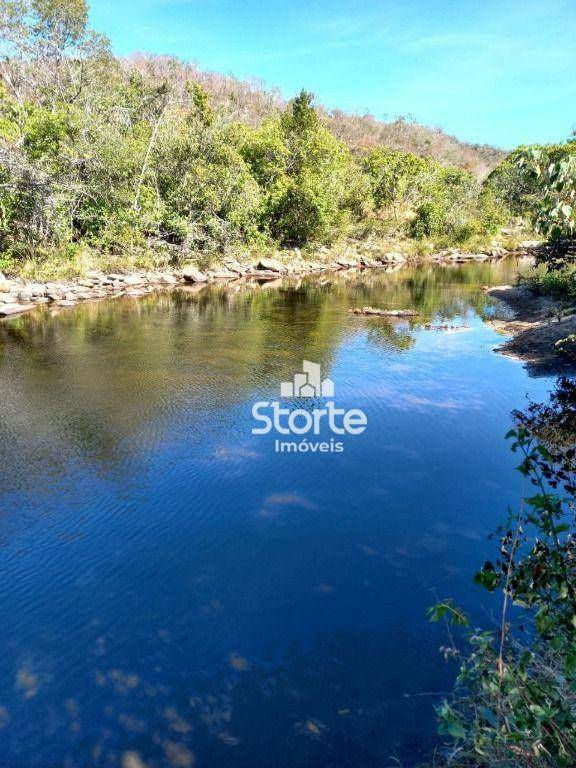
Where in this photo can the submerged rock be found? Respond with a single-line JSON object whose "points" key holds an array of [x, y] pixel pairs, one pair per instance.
{"points": [[384, 312], [223, 274], [14, 309]]}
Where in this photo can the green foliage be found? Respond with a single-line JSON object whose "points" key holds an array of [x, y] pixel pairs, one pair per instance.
{"points": [[202, 108], [553, 172], [516, 693], [539, 182], [439, 202], [96, 154], [455, 207], [447, 611], [395, 177], [309, 180], [46, 132], [61, 20], [561, 284]]}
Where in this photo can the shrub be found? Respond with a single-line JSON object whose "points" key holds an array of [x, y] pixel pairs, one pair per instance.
{"points": [[395, 177], [514, 702], [309, 180]]}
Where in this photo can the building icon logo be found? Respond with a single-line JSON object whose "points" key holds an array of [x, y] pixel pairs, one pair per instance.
{"points": [[308, 384]]}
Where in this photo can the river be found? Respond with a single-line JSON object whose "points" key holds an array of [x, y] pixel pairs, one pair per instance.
{"points": [[175, 592]]}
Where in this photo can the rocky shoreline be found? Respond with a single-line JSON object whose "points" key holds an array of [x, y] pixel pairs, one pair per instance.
{"points": [[540, 332], [18, 296]]}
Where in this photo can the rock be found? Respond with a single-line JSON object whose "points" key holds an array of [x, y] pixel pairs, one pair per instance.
{"points": [[271, 265], [5, 285], [14, 309], [193, 275], [346, 263], [167, 279], [384, 312], [56, 288], [66, 303], [234, 266], [394, 256], [529, 244], [133, 280], [222, 274], [8, 298], [366, 262], [25, 296], [36, 289]]}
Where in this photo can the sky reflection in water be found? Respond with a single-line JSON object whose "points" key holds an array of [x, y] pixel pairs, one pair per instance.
{"points": [[175, 593]]}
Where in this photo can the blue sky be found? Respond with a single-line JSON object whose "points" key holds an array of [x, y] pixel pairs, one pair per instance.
{"points": [[495, 71]]}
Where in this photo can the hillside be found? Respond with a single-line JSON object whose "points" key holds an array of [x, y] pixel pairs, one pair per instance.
{"points": [[251, 101]]}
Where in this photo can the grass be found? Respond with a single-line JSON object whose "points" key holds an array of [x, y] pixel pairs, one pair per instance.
{"points": [[74, 262], [558, 284]]}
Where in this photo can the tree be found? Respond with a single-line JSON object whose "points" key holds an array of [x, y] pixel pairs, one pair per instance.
{"points": [[553, 171]]}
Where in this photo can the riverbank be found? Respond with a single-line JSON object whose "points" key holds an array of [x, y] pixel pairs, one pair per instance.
{"points": [[19, 295], [540, 333]]}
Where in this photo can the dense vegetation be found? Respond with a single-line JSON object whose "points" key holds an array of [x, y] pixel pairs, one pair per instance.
{"points": [[539, 182], [96, 154], [516, 695]]}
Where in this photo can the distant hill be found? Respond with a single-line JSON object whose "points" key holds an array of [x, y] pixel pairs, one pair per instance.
{"points": [[252, 101]]}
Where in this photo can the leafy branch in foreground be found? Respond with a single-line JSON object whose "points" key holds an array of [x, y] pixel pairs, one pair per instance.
{"points": [[555, 176], [514, 703]]}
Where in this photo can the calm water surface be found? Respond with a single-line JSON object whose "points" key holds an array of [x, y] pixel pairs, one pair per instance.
{"points": [[175, 593]]}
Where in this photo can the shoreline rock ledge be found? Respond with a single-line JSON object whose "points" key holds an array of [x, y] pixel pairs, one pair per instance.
{"points": [[19, 295]]}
